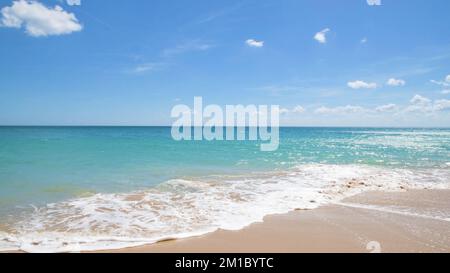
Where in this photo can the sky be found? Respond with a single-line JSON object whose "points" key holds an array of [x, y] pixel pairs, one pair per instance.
{"points": [[326, 63]]}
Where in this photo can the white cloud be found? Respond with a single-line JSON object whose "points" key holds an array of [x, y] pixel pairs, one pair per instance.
{"points": [[441, 105], [363, 40], [418, 104], [349, 109], [419, 100], [386, 108], [361, 85], [321, 36], [296, 110], [445, 82], [39, 20], [445, 92], [74, 2], [396, 82], [425, 105], [254, 43], [299, 109], [374, 2]]}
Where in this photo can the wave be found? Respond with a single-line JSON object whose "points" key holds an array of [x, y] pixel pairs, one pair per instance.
{"points": [[189, 207]]}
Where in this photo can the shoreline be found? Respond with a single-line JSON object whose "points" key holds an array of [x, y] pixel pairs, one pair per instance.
{"points": [[411, 221], [383, 223]]}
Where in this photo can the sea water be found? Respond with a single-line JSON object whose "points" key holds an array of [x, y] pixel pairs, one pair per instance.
{"points": [[89, 188]]}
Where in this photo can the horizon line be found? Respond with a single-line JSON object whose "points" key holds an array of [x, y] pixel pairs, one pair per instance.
{"points": [[289, 126]]}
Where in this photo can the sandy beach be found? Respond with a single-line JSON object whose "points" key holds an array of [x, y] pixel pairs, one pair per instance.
{"points": [[411, 221], [224, 127]]}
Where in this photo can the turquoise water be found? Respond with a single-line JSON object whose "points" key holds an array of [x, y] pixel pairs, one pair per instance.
{"points": [[42, 164], [52, 165]]}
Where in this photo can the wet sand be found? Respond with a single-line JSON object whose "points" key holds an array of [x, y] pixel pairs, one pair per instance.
{"points": [[412, 221]]}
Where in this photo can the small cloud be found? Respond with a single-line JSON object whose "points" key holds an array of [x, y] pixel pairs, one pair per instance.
{"points": [[386, 108], [445, 82], [361, 85], [296, 110], [363, 40], [396, 82], [254, 43], [445, 92], [374, 2], [321, 36], [39, 20], [419, 104], [299, 110], [74, 2], [349, 109], [419, 100], [441, 83]]}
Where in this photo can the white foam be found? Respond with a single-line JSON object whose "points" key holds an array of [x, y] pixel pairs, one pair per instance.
{"points": [[193, 206]]}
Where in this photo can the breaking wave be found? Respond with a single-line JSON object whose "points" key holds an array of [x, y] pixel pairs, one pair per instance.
{"points": [[194, 206]]}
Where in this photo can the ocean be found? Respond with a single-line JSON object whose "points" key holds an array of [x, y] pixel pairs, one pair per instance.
{"points": [[69, 189]]}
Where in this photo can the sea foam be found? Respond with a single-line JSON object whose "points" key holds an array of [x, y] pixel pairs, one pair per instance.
{"points": [[191, 206]]}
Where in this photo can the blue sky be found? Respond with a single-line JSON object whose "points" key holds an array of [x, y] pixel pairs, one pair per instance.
{"points": [[326, 63]]}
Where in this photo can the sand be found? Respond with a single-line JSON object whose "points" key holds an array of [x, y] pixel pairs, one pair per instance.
{"points": [[416, 221], [412, 221]]}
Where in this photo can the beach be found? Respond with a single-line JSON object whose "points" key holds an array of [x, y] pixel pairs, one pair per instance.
{"points": [[388, 222], [232, 126], [81, 189]]}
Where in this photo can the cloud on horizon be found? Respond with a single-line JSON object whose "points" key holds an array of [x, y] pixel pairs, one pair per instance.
{"points": [[418, 104]]}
